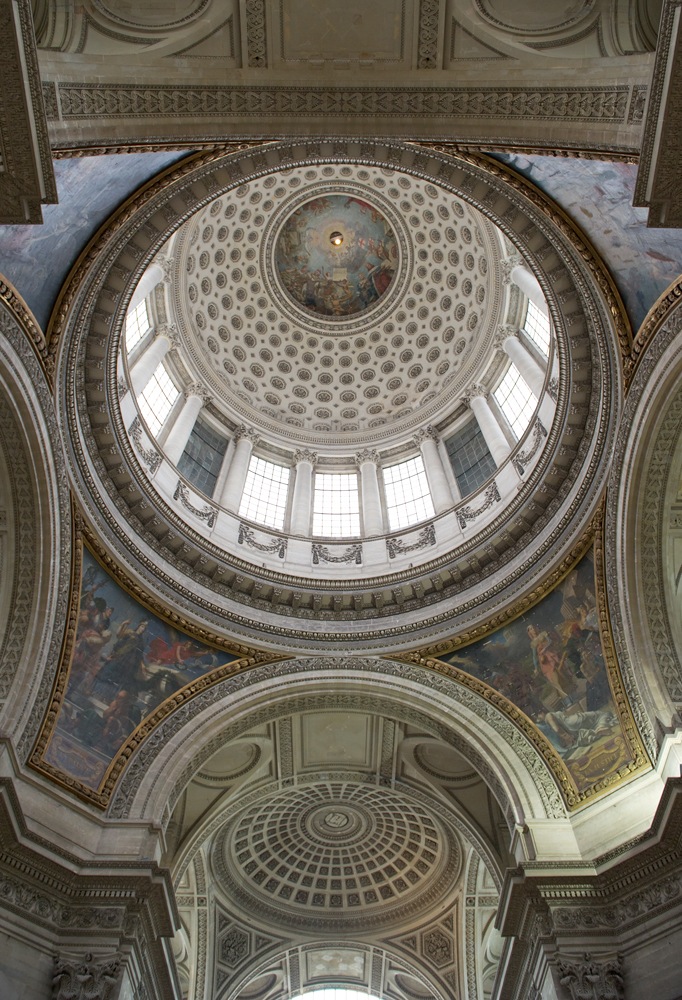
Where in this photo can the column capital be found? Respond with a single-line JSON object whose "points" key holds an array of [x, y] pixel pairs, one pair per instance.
{"points": [[167, 264], [170, 331], [247, 433], [591, 980], [367, 455], [503, 333], [305, 455], [197, 389], [84, 980], [475, 391], [507, 266], [425, 434]]}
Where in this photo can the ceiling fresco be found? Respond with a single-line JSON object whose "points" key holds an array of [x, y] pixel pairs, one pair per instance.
{"points": [[124, 663], [336, 255], [126, 667], [37, 259], [550, 663]]}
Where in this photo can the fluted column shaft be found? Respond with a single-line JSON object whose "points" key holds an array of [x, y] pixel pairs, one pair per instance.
{"points": [[148, 362], [526, 364], [302, 499], [239, 467], [493, 434], [441, 494], [180, 432], [372, 508]]}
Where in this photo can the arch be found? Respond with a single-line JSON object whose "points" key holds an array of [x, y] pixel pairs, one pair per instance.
{"points": [[514, 770], [38, 510], [647, 455]]}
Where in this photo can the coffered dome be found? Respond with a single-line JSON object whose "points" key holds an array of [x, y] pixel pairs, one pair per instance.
{"points": [[335, 854], [270, 349], [284, 328]]}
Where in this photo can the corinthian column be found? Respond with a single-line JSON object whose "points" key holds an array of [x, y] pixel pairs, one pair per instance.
{"points": [[178, 435], [531, 371], [494, 437], [148, 362], [245, 439]]}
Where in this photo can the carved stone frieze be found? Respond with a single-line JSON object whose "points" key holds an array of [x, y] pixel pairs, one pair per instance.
{"points": [[323, 554], [205, 513], [397, 546]]}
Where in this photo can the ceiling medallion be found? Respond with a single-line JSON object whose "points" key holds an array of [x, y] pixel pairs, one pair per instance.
{"points": [[336, 255]]}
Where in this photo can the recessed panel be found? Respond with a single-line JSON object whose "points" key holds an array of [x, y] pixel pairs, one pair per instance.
{"points": [[336, 29], [336, 738]]}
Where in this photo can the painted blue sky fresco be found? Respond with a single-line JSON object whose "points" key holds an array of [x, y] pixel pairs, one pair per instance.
{"points": [[596, 194], [598, 197], [37, 259]]}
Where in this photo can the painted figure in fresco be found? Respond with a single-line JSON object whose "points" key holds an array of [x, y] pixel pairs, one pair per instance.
{"points": [[546, 659], [94, 632], [580, 729], [125, 666]]}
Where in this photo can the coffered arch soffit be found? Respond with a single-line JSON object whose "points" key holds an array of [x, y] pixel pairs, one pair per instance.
{"points": [[35, 518]]}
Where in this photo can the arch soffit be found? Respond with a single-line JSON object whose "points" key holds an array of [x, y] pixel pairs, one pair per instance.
{"points": [[42, 526], [396, 962], [513, 769], [646, 457]]}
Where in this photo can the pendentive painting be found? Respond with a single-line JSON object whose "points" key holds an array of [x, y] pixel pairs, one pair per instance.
{"points": [[550, 664], [125, 662]]}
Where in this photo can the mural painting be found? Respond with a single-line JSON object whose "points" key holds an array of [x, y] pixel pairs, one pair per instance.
{"points": [[336, 278], [642, 261], [550, 664], [125, 662]]}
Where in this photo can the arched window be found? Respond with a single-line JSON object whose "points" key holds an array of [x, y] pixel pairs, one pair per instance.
{"points": [[157, 398], [137, 325], [536, 325], [470, 457], [516, 400], [203, 456]]}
